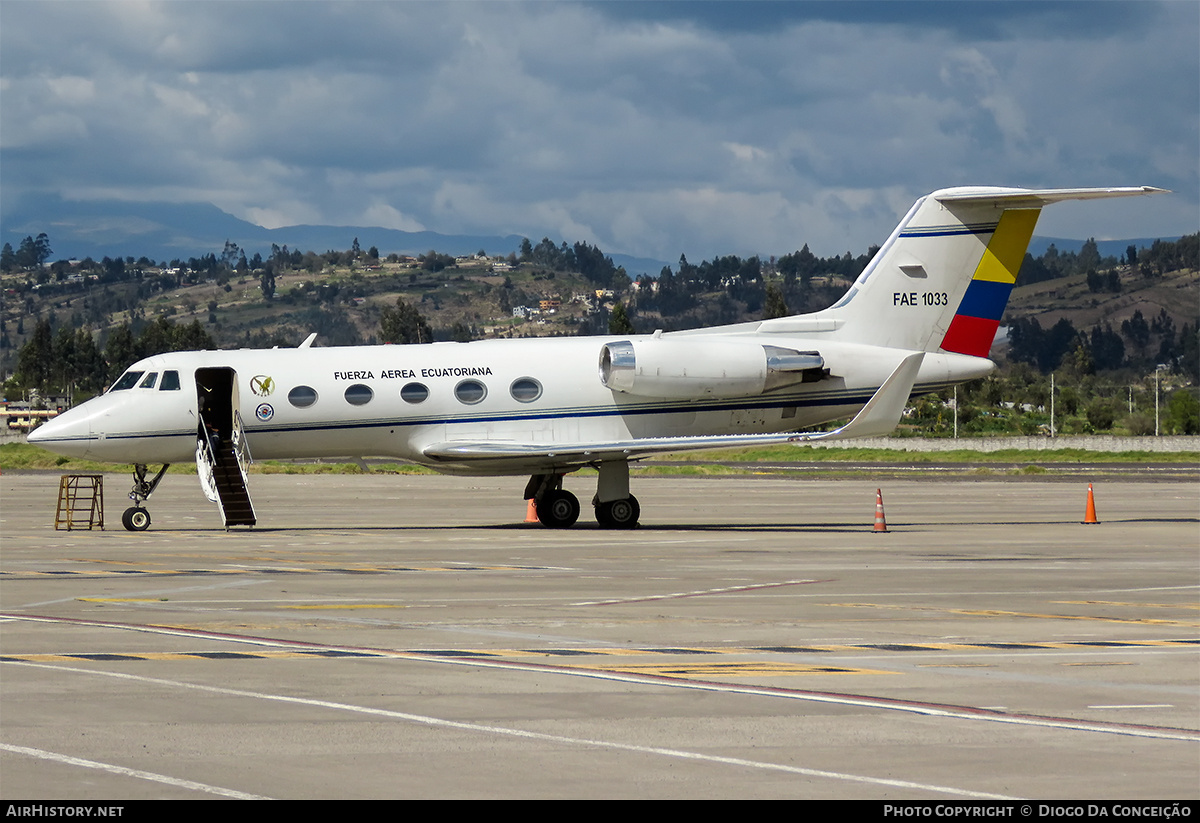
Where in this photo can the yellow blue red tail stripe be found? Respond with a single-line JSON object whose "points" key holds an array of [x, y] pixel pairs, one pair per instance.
{"points": [[978, 317]]}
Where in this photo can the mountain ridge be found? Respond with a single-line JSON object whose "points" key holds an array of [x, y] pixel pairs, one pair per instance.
{"points": [[166, 231]]}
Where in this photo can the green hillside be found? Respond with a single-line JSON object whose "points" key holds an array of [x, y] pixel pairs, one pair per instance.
{"points": [[1106, 327]]}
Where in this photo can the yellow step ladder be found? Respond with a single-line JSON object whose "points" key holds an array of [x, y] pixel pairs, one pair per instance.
{"points": [[80, 502]]}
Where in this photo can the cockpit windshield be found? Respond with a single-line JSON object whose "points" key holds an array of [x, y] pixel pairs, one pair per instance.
{"points": [[128, 380], [148, 383]]}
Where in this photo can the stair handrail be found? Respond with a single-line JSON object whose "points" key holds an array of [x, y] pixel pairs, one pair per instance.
{"points": [[205, 451], [205, 439], [241, 445]]}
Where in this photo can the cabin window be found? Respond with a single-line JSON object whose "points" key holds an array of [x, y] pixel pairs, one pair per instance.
{"points": [[414, 393], [470, 392], [525, 389], [128, 380], [359, 395], [302, 397], [150, 380], [170, 381]]}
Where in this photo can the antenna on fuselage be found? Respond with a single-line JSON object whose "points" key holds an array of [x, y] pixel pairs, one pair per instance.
{"points": [[308, 341]]}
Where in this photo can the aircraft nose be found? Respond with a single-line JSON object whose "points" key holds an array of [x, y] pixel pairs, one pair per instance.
{"points": [[70, 434]]}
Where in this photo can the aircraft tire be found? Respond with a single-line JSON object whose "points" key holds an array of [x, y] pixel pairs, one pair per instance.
{"points": [[135, 519], [619, 514], [558, 509]]}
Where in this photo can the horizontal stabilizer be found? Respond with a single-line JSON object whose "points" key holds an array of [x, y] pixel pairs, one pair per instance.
{"points": [[1036, 198]]}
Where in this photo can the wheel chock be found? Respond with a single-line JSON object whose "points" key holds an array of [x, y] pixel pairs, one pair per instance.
{"points": [[531, 512]]}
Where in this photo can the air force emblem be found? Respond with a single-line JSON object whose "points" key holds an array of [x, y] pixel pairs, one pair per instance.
{"points": [[262, 385]]}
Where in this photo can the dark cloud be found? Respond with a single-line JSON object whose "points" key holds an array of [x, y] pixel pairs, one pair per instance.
{"points": [[974, 20], [649, 128]]}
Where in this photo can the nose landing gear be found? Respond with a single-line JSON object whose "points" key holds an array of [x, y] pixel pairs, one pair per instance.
{"points": [[136, 518]]}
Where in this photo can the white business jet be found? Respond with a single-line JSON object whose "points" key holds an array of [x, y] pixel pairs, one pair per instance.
{"points": [[920, 318]]}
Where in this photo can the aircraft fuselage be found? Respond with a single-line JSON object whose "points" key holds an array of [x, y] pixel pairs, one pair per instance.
{"points": [[393, 401]]}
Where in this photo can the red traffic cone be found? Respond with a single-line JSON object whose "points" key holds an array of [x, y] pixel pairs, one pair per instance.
{"points": [[1089, 514], [531, 512], [880, 522]]}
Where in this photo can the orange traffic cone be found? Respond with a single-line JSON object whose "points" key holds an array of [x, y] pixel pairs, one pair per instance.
{"points": [[531, 512], [1089, 515], [880, 522]]}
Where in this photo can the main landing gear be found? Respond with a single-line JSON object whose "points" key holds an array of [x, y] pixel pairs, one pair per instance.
{"points": [[136, 518], [558, 508], [618, 514], [615, 507]]}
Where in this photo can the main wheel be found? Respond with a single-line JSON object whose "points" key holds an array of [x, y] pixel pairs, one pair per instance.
{"points": [[619, 514], [558, 509], [136, 519]]}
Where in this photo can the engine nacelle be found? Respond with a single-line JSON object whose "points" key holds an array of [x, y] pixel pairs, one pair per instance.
{"points": [[697, 369]]}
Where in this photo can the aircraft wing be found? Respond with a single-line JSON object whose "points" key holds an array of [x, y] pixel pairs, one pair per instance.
{"points": [[878, 417]]}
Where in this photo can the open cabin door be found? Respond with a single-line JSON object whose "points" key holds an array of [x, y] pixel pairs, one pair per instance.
{"points": [[221, 451]]}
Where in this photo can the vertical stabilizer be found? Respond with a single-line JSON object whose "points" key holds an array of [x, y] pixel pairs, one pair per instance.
{"points": [[942, 280]]}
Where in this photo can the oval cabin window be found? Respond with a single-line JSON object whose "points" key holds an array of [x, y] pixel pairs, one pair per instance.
{"points": [[302, 396], [359, 395], [526, 389], [470, 392], [414, 393]]}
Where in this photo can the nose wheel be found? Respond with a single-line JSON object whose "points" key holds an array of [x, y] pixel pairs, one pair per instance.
{"points": [[135, 519]]}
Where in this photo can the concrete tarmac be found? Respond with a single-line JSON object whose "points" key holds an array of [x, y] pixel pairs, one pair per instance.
{"points": [[410, 637]]}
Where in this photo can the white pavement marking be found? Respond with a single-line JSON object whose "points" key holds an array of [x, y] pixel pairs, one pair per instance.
{"points": [[698, 593], [915, 707], [138, 773], [527, 735]]}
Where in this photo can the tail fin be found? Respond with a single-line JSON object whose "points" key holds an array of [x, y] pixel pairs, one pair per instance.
{"points": [[942, 280]]}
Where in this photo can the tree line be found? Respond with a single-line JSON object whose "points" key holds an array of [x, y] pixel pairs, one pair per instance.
{"points": [[725, 289], [68, 361], [1140, 345]]}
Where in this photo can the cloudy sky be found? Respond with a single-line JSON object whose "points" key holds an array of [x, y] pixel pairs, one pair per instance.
{"points": [[649, 128]]}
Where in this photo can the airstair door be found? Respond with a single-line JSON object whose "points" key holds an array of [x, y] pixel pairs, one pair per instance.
{"points": [[221, 450]]}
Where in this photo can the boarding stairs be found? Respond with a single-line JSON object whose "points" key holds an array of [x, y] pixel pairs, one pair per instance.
{"points": [[221, 464]]}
